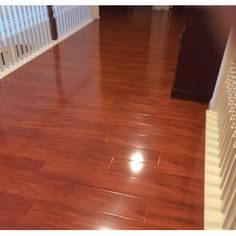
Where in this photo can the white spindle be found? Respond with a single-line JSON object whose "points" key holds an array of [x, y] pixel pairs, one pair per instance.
{"points": [[40, 25], [37, 26], [2, 65], [10, 50], [27, 28], [20, 27], [61, 21], [64, 25], [24, 31], [69, 18], [13, 25], [73, 17], [32, 28]]}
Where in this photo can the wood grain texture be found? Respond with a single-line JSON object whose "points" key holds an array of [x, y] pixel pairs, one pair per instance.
{"points": [[90, 138]]}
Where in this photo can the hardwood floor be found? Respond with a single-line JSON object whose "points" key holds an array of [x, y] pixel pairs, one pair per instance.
{"points": [[90, 138]]}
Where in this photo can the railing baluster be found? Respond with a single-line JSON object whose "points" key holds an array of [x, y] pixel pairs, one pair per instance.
{"points": [[69, 18], [26, 22], [24, 30], [15, 30], [10, 50], [40, 25], [77, 16], [73, 17], [47, 23], [37, 26], [32, 28], [63, 19], [2, 65], [21, 33]]}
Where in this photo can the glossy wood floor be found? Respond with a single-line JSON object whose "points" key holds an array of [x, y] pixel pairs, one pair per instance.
{"points": [[90, 138]]}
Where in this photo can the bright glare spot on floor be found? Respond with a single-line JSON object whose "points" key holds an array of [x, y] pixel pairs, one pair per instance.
{"points": [[136, 163]]}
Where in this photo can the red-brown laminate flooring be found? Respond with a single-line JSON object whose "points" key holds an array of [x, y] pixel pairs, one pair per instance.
{"points": [[90, 138]]}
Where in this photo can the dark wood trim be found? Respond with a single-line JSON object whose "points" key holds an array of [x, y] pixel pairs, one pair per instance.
{"points": [[184, 94]]}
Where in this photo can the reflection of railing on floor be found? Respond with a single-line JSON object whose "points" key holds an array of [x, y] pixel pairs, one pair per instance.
{"points": [[26, 31], [220, 168]]}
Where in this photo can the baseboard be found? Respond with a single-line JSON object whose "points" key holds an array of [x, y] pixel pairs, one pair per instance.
{"points": [[213, 217]]}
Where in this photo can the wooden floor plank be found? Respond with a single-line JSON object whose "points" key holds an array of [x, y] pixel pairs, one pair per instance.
{"points": [[64, 217]]}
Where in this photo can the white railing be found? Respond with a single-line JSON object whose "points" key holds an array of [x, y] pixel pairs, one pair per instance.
{"points": [[220, 174], [25, 31], [70, 18]]}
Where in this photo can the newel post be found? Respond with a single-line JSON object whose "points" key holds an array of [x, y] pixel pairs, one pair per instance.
{"points": [[52, 21]]}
